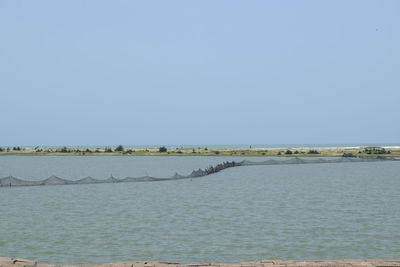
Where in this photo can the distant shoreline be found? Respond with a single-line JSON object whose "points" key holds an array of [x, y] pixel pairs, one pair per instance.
{"points": [[306, 151]]}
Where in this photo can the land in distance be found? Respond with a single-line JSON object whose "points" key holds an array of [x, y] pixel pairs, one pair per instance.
{"points": [[354, 151]]}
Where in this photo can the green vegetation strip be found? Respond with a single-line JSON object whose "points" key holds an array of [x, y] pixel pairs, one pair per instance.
{"points": [[203, 151]]}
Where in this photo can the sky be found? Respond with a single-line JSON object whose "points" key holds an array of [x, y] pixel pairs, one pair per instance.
{"points": [[199, 72]]}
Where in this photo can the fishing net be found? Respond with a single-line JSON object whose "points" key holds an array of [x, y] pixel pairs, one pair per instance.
{"points": [[11, 181]]}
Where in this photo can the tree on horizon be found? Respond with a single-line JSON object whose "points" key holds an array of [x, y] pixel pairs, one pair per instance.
{"points": [[119, 148]]}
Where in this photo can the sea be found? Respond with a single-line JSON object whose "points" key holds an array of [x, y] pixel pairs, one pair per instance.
{"points": [[247, 213]]}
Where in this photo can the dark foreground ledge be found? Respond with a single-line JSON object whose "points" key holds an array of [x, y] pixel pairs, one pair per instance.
{"points": [[10, 262]]}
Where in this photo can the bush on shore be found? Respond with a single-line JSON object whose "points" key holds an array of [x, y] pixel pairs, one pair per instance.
{"points": [[119, 148], [376, 150]]}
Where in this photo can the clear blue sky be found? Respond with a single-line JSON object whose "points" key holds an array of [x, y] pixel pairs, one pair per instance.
{"points": [[199, 72]]}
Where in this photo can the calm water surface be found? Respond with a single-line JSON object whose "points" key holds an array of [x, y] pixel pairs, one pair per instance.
{"points": [[314, 211]]}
